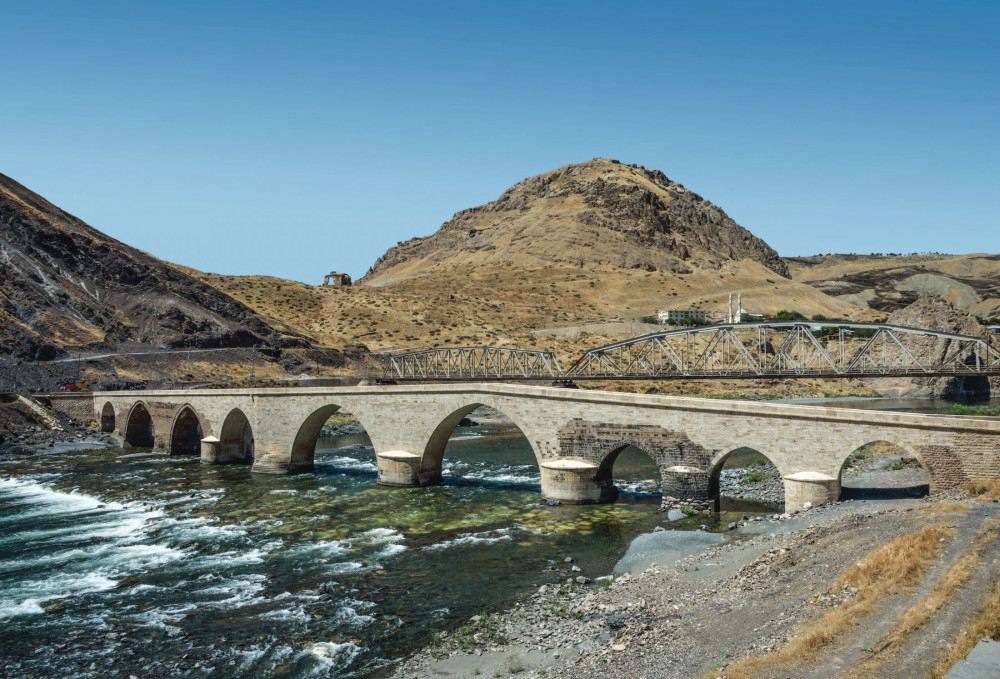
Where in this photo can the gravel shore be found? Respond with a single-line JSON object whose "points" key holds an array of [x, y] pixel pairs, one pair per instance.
{"points": [[683, 609]]}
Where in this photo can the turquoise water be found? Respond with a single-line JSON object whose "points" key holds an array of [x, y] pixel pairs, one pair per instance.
{"points": [[150, 565]]}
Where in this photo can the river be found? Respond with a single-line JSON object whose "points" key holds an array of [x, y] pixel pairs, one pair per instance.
{"points": [[118, 561]]}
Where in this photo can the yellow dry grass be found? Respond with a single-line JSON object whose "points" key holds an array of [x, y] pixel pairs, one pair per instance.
{"points": [[985, 626], [984, 490], [889, 570], [500, 306], [889, 647], [945, 506]]}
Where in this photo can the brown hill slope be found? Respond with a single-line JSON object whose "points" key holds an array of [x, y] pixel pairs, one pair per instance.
{"points": [[585, 243], [599, 213], [888, 283], [64, 286]]}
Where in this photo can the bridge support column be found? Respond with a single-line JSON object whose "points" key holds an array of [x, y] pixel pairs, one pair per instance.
{"points": [[572, 482], [402, 469], [211, 450], [683, 485], [273, 458], [810, 487]]}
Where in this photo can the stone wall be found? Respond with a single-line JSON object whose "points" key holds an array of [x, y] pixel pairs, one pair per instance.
{"points": [[576, 435], [76, 406]]}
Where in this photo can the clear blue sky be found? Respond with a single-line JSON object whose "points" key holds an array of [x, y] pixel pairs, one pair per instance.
{"points": [[295, 138]]}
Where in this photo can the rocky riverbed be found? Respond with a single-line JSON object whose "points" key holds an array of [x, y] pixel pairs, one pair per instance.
{"points": [[662, 616]]}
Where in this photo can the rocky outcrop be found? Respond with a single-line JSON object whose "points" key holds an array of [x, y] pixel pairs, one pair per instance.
{"points": [[931, 311], [599, 212]]}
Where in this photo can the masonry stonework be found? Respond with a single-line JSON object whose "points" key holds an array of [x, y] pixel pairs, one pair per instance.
{"points": [[575, 435]]}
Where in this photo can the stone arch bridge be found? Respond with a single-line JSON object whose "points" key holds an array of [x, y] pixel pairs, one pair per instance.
{"points": [[576, 435]]}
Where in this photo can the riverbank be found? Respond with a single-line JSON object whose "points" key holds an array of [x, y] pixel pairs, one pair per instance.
{"points": [[695, 615]]}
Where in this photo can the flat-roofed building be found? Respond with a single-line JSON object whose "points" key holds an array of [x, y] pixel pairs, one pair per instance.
{"points": [[681, 315]]}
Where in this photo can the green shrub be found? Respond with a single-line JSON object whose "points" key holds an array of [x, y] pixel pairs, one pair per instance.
{"points": [[979, 411]]}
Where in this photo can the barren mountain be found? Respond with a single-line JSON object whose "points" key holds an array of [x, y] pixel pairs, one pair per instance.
{"points": [[68, 287], [890, 282], [599, 213]]}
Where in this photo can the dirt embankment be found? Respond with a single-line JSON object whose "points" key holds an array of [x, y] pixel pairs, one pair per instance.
{"points": [[817, 595]]}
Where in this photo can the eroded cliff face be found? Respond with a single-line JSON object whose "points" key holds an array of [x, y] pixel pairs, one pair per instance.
{"points": [[596, 213], [66, 286], [933, 312]]}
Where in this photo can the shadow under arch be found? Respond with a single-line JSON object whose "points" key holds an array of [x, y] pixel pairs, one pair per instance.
{"points": [[605, 470], [746, 458], [108, 417], [303, 458], [186, 432], [139, 431], [433, 455], [882, 458], [236, 439]]}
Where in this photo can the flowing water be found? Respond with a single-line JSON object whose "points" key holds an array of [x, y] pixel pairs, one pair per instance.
{"points": [[117, 561]]}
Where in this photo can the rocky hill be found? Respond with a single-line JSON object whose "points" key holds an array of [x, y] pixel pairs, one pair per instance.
{"points": [[65, 286], [932, 311], [890, 282], [601, 213]]}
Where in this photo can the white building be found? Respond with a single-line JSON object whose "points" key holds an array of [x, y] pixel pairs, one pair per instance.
{"points": [[680, 315]]}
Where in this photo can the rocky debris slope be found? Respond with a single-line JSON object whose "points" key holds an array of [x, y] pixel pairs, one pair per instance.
{"points": [[65, 285], [599, 212]]}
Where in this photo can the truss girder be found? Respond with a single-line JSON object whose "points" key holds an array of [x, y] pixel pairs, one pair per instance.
{"points": [[472, 363], [743, 350], [804, 349]]}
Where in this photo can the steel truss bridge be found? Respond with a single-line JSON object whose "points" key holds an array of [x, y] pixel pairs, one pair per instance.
{"points": [[474, 363], [798, 349]]}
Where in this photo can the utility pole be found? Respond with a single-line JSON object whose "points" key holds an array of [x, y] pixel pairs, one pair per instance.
{"points": [[253, 361]]}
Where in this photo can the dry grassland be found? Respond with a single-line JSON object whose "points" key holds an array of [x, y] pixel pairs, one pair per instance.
{"points": [[888, 649], [501, 305], [985, 626], [893, 568]]}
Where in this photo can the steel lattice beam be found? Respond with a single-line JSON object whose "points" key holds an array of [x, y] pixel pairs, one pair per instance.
{"points": [[737, 351], [473, 363], [791, 349]]}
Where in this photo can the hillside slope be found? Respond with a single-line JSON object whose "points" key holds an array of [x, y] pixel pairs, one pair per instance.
{"points": [[599, 213], [890, 282], [64, 286]]}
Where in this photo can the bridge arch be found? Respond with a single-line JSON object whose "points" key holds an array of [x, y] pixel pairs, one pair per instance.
{"points": [[186, 432], [718, 464], [886, 491], [236, 444], [108, 417], [605, 470], [139, 431], [433, 453], [304, 444]]}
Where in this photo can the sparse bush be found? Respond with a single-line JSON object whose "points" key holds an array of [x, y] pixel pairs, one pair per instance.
{"points": [[977, 411]]}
